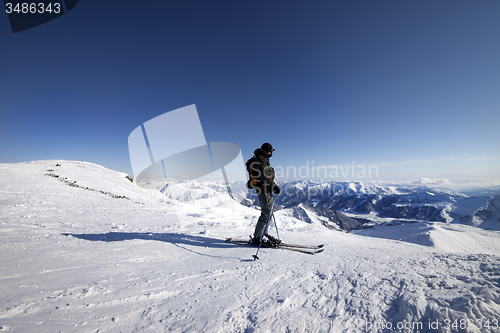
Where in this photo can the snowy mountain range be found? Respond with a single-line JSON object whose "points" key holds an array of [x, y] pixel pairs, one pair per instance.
{"points": [[84, 249], [347, 205]]}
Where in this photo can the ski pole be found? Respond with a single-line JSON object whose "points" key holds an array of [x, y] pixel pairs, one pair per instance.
{"points": [[255, 257], [277, 234]]}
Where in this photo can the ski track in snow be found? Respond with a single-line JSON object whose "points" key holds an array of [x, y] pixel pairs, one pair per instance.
{"points": [[78, 260]]}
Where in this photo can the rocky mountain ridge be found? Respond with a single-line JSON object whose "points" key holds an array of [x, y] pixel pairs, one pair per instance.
{"points": [[347, 205]]}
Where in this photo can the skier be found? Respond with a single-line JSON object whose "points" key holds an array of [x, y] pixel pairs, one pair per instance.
{"points": [[262, 175]]}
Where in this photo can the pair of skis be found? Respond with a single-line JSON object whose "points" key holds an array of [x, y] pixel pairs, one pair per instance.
{"points": [[276, 243], [309, 249]]}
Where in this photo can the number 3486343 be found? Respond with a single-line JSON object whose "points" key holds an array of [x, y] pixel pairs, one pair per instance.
{"points": [[33, 8]]}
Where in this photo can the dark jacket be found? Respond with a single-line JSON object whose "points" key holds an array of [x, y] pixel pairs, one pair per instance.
{"points": [[263, 172]]}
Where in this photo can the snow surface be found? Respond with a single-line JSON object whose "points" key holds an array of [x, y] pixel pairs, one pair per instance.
{"points": [[84, 250]]}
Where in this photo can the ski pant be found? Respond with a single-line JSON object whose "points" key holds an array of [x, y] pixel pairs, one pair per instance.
{"points": [[266, 202]]}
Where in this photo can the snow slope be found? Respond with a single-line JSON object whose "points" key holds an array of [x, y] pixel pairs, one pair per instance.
{"points": [[104, 255], [456, 238]]}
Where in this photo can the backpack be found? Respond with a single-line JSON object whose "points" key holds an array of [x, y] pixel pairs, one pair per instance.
{"points": [[253, 182]]}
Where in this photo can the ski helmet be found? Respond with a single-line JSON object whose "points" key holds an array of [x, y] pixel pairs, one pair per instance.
{"points": [[267, 147]]}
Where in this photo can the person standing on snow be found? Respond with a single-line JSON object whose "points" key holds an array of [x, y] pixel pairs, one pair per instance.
{"points": [[262, 180]]}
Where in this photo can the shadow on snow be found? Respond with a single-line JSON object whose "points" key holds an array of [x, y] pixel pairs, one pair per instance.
{"points": [[174, 238], [180, 240]]}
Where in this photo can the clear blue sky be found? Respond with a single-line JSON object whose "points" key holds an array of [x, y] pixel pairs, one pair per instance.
{"points": [[411, 87]]}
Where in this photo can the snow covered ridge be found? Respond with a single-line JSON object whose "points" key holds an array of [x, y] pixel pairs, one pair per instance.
{"points": [[365, 201], [328, 203], [50, 172], [75, 260]]}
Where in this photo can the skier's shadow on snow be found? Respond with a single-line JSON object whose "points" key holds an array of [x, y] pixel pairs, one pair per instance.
{"points": [[174, 238]]}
